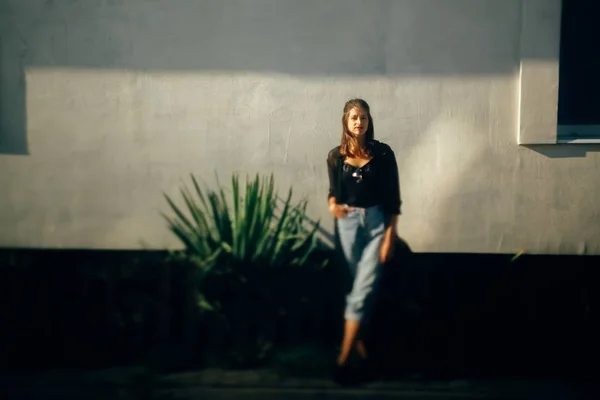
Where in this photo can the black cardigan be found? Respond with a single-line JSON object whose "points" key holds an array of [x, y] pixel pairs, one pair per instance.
{"points": [[388, 181]]}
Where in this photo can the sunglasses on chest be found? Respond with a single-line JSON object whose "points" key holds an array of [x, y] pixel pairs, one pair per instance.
{"points": [[358, 173]]}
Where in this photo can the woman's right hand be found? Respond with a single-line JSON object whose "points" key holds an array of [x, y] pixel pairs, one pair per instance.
{"points": [[339, 210]]}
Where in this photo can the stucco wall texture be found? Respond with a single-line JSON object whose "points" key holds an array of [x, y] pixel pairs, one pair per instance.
{"points": [[107, 104]]}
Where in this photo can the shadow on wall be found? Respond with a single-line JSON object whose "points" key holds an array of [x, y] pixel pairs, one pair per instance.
{"points": [[312, 38], [563, 150], [13, 131]]}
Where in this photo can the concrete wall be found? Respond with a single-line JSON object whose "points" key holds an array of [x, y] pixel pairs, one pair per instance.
{"points": [[107, 103]]}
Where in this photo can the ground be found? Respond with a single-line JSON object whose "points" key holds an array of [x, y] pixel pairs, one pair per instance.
{"points": [[139, 383]]}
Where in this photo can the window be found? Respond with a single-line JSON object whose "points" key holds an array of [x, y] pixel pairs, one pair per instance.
{"points": [[579, 73]]}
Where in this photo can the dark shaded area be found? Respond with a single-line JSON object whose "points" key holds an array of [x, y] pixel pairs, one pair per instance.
{"points": [[99, 309], [481, 315], [440, 315], [578, 101]]}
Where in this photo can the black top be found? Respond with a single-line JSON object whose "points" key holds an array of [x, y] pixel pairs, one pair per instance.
{"points": [[376, 183]]}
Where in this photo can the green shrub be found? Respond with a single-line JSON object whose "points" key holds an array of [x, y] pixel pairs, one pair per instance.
{"points": [[247, 247], [244, 230]]}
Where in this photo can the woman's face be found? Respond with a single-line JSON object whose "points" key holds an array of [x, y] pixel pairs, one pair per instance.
{"points": [[358, 121]]}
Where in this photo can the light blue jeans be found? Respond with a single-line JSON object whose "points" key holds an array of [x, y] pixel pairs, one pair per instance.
{"points": [[361, 233]]}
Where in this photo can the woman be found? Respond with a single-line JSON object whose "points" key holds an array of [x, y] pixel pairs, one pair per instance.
{"points": [[364, 198]]}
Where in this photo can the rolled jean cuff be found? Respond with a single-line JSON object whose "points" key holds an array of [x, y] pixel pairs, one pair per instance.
{"points": [[352, 315], [354, 312]]}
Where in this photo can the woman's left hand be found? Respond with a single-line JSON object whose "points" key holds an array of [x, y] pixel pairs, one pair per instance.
{"points": [[386, 251]]}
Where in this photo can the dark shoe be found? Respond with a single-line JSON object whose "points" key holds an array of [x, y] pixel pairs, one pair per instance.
{"points": [[368, 371], [344, 375]]}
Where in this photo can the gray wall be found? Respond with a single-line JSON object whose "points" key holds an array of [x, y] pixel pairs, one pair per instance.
{"points": [[106, 104]]}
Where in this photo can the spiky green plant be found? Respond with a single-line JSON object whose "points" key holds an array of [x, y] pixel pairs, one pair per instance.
{"points": [[251, 247], [249, 228]]}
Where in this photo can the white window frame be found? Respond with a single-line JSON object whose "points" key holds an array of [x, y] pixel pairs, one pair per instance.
{"points": [[538, 78]]}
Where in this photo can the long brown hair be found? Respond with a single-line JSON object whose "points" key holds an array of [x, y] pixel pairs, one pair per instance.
{"points": [[350, 146]]}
